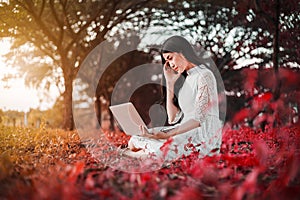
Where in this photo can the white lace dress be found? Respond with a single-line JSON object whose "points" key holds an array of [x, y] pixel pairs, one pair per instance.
{"points": [[198, 100]]}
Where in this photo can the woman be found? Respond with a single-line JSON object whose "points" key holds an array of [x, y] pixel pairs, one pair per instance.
{"points": [[191, 98]]}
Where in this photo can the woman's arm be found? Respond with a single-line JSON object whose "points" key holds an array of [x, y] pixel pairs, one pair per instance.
{"points": [[172, 110], [187, 126], [184, 127], [171, 78], [202, 104]]}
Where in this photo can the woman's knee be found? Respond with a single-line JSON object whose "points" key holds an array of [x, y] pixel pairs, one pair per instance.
{"points": [[130, 145]]}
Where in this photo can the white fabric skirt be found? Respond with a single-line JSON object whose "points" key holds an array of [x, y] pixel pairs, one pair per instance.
{"points": [[203, 139]]}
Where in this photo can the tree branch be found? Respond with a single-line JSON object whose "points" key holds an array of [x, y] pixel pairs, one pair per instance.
{"points": [[31, 11], [42, 8], [59, 23], [264, 14]]}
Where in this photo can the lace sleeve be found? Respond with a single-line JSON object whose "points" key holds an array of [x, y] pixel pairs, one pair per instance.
{"points": [[203, 97]]}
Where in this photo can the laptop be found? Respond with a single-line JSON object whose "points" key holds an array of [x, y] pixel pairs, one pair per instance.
{"points": [[128, 118]]}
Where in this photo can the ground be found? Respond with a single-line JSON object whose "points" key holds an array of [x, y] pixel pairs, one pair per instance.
{"points": [[55, 164]]}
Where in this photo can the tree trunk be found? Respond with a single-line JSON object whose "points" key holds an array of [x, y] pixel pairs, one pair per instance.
{"points": [[112, 121], [68, 112], [98, 111], [276, 52]]}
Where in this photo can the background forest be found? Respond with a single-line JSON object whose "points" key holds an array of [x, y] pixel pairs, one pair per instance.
{"points": [[255, 45]]}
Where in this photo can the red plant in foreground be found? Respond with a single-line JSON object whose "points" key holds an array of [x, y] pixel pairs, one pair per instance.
{"points": [[252, 164], [117, 137]]}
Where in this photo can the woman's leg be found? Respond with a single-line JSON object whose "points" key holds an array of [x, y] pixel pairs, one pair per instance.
{"points": [[141, 154], [141, 147], [132, 147]]}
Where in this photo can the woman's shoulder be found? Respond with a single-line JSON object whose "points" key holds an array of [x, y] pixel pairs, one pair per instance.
{"points": [[204, 76], [204, 71]]}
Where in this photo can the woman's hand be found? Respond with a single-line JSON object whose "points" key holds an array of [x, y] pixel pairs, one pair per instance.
{"points": [[155, 135], [170, 74]]}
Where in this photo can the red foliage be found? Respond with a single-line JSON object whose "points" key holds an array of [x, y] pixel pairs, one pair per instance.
{"points": [[187, 193], [117, 137], [252, 164], [261, 106], [260, 101], [165, 147], [241, 115]]}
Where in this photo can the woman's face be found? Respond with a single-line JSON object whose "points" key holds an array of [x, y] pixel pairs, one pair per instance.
{"points": [[176, 61]]}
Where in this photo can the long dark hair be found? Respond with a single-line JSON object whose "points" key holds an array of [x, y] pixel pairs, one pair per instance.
{"points": [[177, 44]]}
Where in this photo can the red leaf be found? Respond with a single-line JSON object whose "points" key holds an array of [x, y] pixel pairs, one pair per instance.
{"points": [[251, 78], [89, 182], [166, 146], [261, 100], [241, 115], [289, 79], [249, 185], [292, 169], [188, 193], [262, 152], [76, 171], [145, 178]]}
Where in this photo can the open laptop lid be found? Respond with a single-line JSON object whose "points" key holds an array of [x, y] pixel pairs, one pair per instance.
{"points": [[128, 118]]}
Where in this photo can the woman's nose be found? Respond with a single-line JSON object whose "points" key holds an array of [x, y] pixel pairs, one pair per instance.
{"points": [[171, 64]]}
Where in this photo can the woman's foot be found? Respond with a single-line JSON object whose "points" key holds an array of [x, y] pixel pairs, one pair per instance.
{"points": [[135, 153]]}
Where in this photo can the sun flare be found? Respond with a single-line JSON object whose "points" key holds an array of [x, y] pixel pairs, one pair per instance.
{"points": [[5, 45], [13, 93]]}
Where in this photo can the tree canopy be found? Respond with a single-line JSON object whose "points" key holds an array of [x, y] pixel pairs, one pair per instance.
{"points": [[59, 34], [54, 37]]}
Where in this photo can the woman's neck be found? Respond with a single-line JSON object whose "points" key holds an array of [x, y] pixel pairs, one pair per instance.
{"points": [[190, 66]]}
